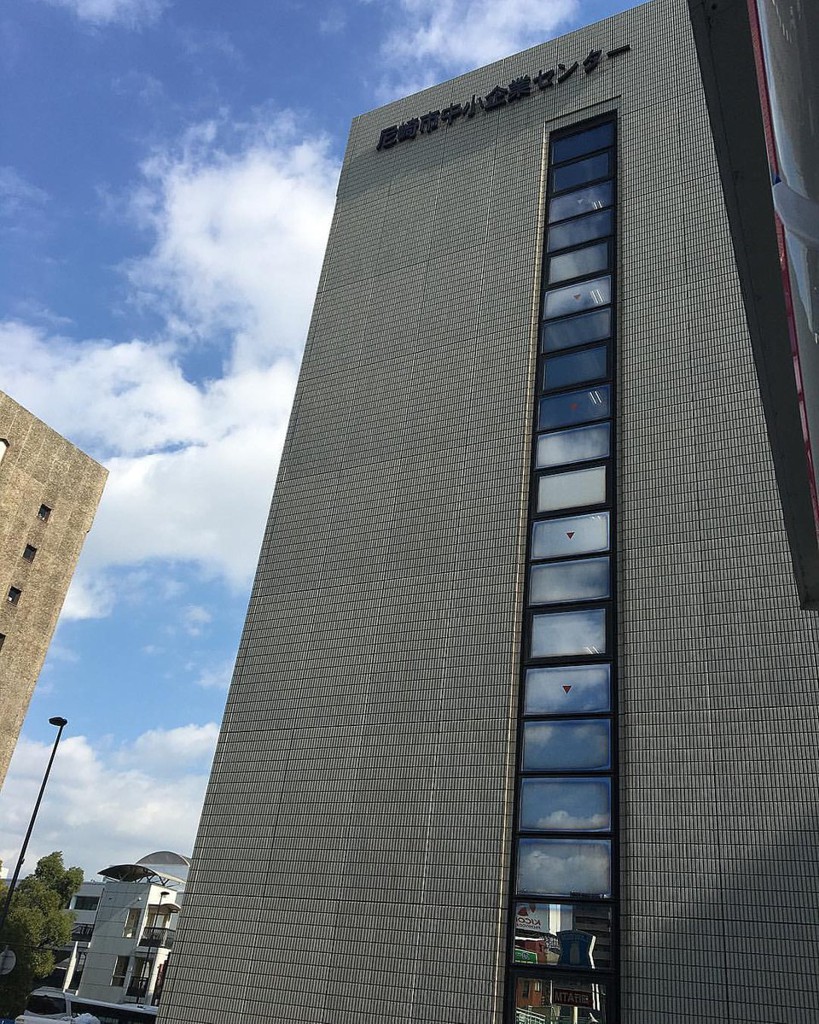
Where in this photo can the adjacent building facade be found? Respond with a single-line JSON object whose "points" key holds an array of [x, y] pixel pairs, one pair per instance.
{"points": [[49, 493], [524, 717], [123, 931], [768, 156]]}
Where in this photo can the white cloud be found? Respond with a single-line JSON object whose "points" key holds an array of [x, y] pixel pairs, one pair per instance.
{"points": [[239, 218], [106, 806], [89, 597], [239, 237], [195, 618], [105, 12], [17, 193], [216, 677], [165, 749], [431, 39], [333, 21]]}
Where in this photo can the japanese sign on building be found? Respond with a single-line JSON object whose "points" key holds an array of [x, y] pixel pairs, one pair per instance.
{"points": [[499, 96]]}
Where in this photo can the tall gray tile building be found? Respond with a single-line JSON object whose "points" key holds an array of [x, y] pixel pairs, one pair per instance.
{"points": [[524, 719]]}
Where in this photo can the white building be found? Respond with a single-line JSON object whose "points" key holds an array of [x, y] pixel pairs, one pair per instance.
{"points": [[124, 929]]}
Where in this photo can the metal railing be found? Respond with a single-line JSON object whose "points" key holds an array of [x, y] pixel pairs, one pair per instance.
{"points": [[137, 987], [156, 937]]}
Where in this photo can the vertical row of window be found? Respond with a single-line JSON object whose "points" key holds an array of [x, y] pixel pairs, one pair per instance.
{"points": [[29, 554], [562, 923]]}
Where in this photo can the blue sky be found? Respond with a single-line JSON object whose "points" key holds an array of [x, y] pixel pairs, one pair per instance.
{"points": [[167, 178]]}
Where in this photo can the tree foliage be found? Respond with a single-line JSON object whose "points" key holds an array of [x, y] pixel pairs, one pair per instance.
{"points": [[38, 920]]}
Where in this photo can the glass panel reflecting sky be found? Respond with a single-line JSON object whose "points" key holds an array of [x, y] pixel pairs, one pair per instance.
{"points": [[586, 580], [583, 229], [577, 445], [576, 367], [571, 535], [565, 866], [557, 634], [567, 745], [583, 142], [565, 410], [565, 805], [589, 260], [577, 330], [581, 171], [570, 490], [585, 200], [567, 689], [547, 933], [576, 297]]}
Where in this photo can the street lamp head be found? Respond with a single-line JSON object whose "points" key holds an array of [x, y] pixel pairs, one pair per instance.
{"points": [[58, 721]]}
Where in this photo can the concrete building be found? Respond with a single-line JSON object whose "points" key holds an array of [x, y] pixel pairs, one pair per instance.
{"points": [[49, 492], [524, 721], [124, 930]]}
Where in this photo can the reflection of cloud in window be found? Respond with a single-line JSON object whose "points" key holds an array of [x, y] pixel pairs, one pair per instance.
{"points": [[561, 633], [573, 535], [573, 446], [570, 581], [564, 866], [566, 745], [567, 821], [553, 804], [565, 490], [588, 689]]}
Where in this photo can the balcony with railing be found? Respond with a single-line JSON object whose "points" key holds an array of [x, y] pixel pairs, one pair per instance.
{"points": [[137, 987], [158, 937]]}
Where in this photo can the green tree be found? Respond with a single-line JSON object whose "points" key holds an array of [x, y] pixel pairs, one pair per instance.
{"points": [[38, 921]]}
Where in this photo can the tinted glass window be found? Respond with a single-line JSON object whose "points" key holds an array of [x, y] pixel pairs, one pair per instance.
{"points": [[576, 367], [570, 490], [45, 1005], [582, 171], [560, 998], [571, 407], [577, 297], [571, 535], [571, 688], [565, 866], [584, 229], [572, 745], [577, 445], [571, 146], [579, 262], [565, 805], [585, 200], [543, 934], [577, 330], [585, 580], [558, 634]]}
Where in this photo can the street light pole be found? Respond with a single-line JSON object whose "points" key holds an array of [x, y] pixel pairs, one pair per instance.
{"points": [[61, 723]]}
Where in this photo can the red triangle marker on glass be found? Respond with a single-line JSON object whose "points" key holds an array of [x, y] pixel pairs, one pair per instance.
{"points": [[566, 689], [570, 534]]}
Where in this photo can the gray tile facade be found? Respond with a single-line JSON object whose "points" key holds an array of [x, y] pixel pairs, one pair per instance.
{"points": [[353, 856]]}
